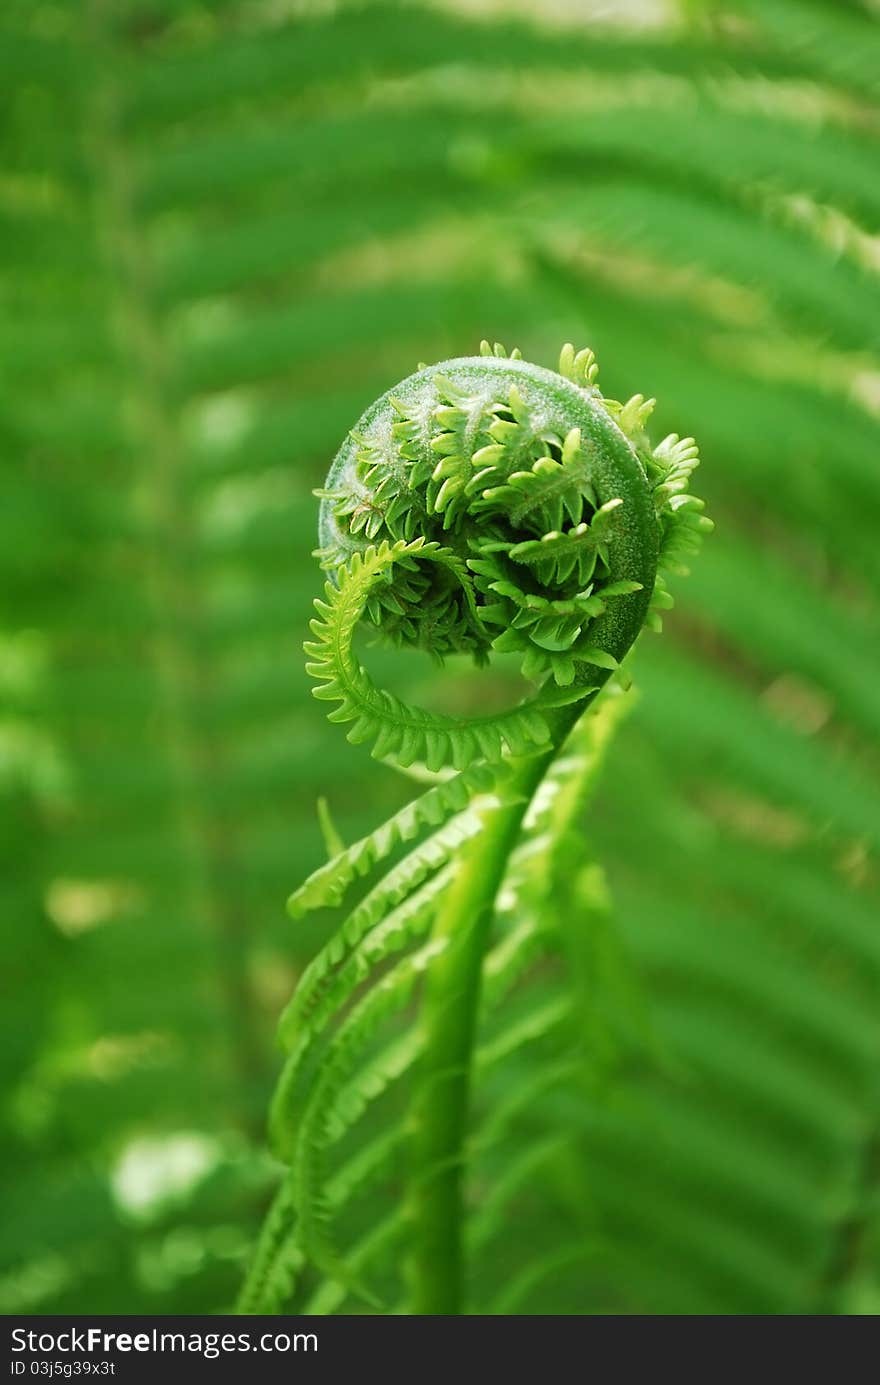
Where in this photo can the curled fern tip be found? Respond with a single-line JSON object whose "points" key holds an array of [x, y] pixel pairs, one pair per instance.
{"points": [[487, 504]]}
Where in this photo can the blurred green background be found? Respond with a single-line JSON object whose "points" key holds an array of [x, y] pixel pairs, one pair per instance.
{"points": [[225, 228]]}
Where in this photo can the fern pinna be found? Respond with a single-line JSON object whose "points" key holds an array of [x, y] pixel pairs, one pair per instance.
{"points": [[484, 504]]}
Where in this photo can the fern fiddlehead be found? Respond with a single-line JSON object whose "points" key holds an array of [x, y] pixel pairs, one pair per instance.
{"points": [[484, 504]]}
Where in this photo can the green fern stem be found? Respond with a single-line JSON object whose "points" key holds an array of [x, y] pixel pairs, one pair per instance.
{"points": [[449, 1016]]}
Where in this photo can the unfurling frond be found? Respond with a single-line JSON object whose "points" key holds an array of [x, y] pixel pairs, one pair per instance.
{"points": [[487, 503], [483, 505]]}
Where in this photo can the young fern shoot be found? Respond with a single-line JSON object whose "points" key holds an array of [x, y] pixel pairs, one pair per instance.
{"points": [[483, 504]]}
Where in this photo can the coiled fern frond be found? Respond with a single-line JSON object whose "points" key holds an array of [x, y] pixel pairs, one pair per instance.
{"points": [[489, 504], [484, 504]]}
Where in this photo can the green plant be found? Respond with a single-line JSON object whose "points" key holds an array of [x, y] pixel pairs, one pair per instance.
{"points": [[484, 504], [226, 228]]}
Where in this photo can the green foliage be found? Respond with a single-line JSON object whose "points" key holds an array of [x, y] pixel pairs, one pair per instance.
{"points": [[225, 229], [591, 457]]}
